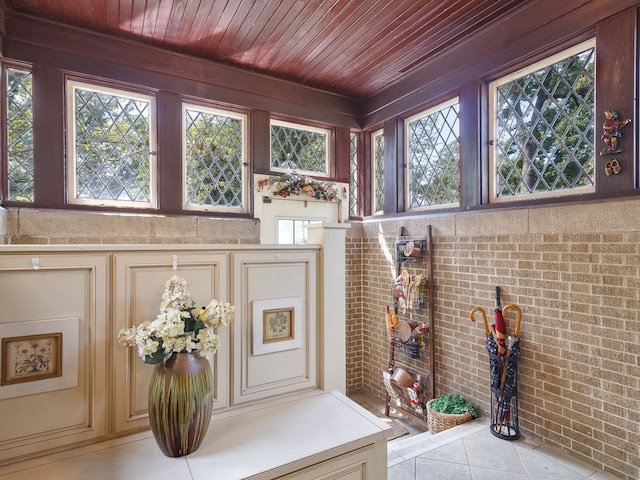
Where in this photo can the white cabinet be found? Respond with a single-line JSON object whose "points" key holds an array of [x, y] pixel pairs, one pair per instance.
{"points": [[358, 465], [310, 435], [50, 293], [265, 283], [138, 283], [90, 292]]}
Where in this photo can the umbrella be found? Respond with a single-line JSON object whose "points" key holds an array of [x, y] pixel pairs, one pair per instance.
{"points": [[502, 367], [492, 348], [508, 380], [498, 326]]}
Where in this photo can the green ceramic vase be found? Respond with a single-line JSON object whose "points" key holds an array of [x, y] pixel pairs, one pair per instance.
{"points": [[180, 403]]}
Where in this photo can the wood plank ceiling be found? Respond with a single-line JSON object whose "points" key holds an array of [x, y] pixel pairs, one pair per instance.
{"points": [[355, 48]]}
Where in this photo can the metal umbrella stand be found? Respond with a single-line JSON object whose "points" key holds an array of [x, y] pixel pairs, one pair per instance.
{"points": [[503, 372]]}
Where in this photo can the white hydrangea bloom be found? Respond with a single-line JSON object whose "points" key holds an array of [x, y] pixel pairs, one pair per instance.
{"points": [[209, 343], [217, 314], [175, 295], [167, 332]]}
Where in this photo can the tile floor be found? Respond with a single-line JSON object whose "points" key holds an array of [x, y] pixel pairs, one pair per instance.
{"points": [[471, 452]]}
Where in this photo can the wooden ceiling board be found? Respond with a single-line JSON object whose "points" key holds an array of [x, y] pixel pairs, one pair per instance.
{"points": [[271, 33], [351, 47], [193, 36], [375, 53], [296, 33], [334, 42], [307, 41], [112, 19], [424, 45], [262, 33]]}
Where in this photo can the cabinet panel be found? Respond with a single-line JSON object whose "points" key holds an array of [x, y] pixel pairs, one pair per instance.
{"points": [[63, 295], [139, 280], [265, 285], [353, 466]]}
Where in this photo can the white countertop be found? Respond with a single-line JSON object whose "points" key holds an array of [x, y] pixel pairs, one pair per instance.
{"points": [[262, 441], [304, 429]]}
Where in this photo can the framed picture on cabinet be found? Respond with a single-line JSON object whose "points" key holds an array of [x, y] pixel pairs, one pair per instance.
{"points": [[39, 356], [30, 358], [277, 325]]}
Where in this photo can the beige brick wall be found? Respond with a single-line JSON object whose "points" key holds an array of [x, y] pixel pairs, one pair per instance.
{"points": [[574, 271], [354, 316]]}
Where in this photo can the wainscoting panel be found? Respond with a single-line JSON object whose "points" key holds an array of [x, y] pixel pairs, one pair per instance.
{"points": [[275, 294], [54, 330], [139, 281]]}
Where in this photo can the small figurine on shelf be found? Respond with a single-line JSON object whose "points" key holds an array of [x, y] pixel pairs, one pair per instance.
{"points": [[612, 126]]}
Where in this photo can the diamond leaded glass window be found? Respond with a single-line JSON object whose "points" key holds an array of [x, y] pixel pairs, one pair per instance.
{"points": [[214, 163], [354, 208], [377, 157], [111, 146], [300, 148], [543, 127], [433, 157], [19, 135]]}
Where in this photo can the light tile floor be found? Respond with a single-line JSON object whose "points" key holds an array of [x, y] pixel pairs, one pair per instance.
{"points": [[471, 452]]}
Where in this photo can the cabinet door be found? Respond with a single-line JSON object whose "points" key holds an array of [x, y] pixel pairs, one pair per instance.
{"points": [[358, 465], [138, 284], [53, 302], [275, 335]]}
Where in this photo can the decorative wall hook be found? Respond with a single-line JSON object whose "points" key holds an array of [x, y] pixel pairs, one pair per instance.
{"points": [[174, 261], [35, 261]]}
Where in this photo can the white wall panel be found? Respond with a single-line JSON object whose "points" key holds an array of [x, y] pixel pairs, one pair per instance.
{"points": [[139, 280], [90, 292], [273, 275], [67, 293]]}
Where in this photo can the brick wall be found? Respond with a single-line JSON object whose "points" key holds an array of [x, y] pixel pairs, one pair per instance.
{"points": [[575, 273], [354, 316]]}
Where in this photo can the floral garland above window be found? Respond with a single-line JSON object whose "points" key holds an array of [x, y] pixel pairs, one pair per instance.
{"points": [[296, 184]]}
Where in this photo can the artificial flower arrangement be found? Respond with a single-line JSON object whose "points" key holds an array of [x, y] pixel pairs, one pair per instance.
{"points": [[296, 184], [181, 326]]}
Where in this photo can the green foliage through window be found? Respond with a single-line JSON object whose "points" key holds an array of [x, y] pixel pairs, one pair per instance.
{"points": [[354, 207], [112, 146], [433, 157], [377, 155], [544, 137], [20, 135], [214, 158], [299, 148]]}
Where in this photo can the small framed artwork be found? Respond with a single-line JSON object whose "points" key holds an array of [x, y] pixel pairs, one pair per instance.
{"points": [[278, 325], [30, 358]]}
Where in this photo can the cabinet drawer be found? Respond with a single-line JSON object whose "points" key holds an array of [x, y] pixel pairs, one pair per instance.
{"points": [[356, 465]]}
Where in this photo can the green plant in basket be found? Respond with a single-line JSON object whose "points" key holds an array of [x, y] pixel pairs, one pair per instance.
{"points": [[453, 404]]}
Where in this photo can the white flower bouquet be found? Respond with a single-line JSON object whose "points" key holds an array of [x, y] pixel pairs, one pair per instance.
{"points": [[180, 326]]}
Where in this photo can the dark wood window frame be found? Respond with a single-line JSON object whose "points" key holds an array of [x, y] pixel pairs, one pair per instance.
{"points": [[615, 89], [50, 143], [50, 59]]}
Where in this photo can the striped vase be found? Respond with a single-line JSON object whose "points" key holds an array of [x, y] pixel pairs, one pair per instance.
{"points": [[180, 403]]}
